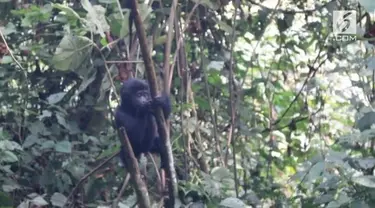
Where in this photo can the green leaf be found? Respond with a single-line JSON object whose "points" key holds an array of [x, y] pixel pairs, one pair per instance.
{"points": [[87, 80], [64, 147], [68, 11], [10, 28], [10, 187], [96, 19], [366, 163], [224, 26], [220, 173], [218, 65], [359, 204], [39, 201], [8, 156], [48, 144], [9, 145], [61, 120], [324, 199], [58, 199], [6, 60], [55, 98], [107, 1], [45, 114], [232, 202], [30, 140], [368, 180], [71, 52], [336, 157], [119, 26], [365, 122], [316, 171], [210, 4], [160, 40]]}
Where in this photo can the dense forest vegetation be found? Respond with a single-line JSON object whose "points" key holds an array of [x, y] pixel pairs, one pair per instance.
{"points": [[270, 107]]}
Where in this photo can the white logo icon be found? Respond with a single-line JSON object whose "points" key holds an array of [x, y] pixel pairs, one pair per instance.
{"points": [[344, 22]]}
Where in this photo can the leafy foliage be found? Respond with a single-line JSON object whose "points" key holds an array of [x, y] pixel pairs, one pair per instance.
{"points": [[302, 102]]}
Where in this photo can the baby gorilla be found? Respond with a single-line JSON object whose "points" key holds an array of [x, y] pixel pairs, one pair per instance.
{"points": [[136, 114]]}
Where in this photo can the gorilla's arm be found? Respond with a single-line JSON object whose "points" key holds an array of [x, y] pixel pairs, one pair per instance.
{"points": [[164, 102]]}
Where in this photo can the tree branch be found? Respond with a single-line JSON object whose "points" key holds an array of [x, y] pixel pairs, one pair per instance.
{"points": [[131, 165], [166, 153]]}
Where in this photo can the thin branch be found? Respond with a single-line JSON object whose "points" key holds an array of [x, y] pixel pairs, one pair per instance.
{"points": [[122, 190], [131, 164], [83, 179], [10, 51], [179, 42], [233, 109], [168, 46]]}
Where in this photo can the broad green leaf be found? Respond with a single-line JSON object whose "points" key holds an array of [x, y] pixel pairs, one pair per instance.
{"points": [[58, 199], [144, 11], [96, 20], [160, 40], [77, 170], [232, 202], [368, 180], [219, 173], [359, 204], [37, 127], [210, 4], [10, 28], [224, 26], [69, 11], [119, 26], [343, 198], [71, 52], [106, 82], [30, 140], [39, 201], [45, 114], [107, 1], [9, 145], [48, 145], [366, 163], [324, 199], [8, 156], [6, 60], [61, 120], [218, 65], [10, 187], [316, 171], [55, 98], [64, 147], [333, 204], [365, 122], [87, 80]]}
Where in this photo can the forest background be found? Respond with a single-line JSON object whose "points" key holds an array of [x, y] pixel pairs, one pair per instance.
{"points": [[269, 108]]}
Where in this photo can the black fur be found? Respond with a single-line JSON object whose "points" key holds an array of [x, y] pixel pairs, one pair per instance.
{"points": [[135, 113]]}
